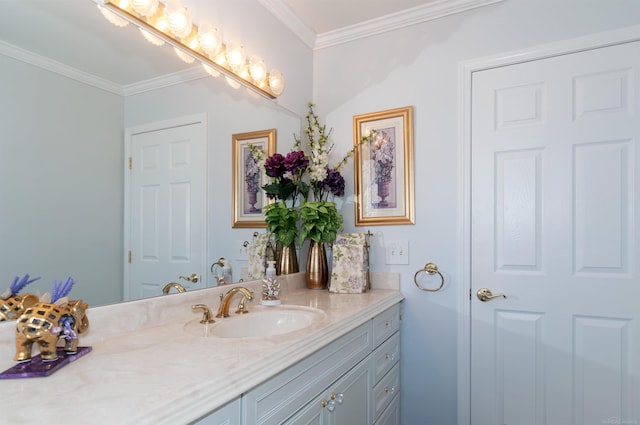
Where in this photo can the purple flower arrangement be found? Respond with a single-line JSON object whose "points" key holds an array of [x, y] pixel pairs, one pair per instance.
{"points": [[305, 177], [251, 174], [286, 173], [382, 151]]}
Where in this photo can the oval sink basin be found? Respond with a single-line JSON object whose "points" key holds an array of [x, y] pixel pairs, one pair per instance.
{"points": [[260, 322]]}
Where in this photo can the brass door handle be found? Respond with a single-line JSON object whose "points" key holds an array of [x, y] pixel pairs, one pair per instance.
{"points": [[484, 295], [194, 278]]}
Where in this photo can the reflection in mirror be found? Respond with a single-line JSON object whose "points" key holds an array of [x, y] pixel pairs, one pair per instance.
{"points": [[67, 98]]}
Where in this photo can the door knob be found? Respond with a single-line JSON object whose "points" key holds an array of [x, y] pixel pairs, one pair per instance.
{"points": [[194, 278], [485, 294]]}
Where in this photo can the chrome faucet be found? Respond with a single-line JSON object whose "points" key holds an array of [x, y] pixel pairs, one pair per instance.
{"points": [[223, 310], [170, 285]]}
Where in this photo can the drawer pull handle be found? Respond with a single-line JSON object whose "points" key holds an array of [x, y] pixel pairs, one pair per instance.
{"points": [[334, 400], [390, 356], [388, 390], [386, 323], [386, 356]]}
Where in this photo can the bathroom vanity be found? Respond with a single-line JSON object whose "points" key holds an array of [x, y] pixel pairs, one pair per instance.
{"points": [[149, 366]]}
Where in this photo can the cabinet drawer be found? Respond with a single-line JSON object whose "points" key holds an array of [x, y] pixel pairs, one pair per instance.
{"points": [[385, 357], [386, 324], [278, 398], [385, 390], [391, 415]]}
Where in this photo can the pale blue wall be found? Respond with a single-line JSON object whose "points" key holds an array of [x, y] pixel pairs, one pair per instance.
{"points": [[61, 182], [418, 66]]}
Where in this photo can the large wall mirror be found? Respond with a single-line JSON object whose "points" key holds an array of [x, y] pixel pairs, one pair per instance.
{"points": [[71, 84]]}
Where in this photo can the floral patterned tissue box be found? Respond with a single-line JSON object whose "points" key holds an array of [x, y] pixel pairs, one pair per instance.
{"points": [[257, 254], [350, 264]]}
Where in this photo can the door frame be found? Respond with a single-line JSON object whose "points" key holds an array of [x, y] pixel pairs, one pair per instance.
{"points": [[129, 132], [465, 75]]}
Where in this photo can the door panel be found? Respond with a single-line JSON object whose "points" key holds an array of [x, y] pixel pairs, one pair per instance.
{"points": [[555, 212], [167, 237]]}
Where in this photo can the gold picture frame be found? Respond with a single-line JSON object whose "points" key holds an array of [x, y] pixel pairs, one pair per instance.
{"points": [[247, 181], [384, 168]]}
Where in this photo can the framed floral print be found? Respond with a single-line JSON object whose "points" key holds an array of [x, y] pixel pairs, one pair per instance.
{"points": [[384, 167], [247, 180]]}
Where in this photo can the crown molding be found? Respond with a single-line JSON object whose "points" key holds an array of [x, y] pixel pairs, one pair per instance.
{"points": [[416, 15], [282, 12], [51, 65], [189, 74], [423, 13]]}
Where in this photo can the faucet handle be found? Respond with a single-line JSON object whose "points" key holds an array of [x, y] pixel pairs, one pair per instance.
{"points": [[242, 309], [206, 313]]}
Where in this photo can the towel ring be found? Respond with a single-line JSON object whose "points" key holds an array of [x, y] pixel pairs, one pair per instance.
{"points": [[431, 269]]}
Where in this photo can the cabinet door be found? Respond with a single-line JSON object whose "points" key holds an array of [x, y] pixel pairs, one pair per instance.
{"points": [[312, 414], [352, 396], [274, 401], [346, 401]]}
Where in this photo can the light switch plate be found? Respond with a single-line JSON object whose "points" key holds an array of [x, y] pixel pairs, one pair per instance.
{"points": [[397, 252]]}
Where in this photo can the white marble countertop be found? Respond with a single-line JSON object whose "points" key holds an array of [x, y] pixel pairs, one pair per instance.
{"points": [[145, 369]]}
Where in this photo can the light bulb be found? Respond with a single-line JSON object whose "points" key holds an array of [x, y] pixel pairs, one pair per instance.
{"points": [[221, 58], [161, 24], [178, 19], [112, 17], [236, 57], [232, 83], [276, 82], [209, 39], [211, 70], [182, 55], [244, 73], [253, 94], [151, 38], [257, 69], [192, 43], [145, 7]]}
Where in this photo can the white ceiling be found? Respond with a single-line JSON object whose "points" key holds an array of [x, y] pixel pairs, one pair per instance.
{"points": [[322, 16]]}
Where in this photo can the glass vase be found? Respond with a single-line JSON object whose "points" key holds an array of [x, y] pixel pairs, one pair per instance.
{"points": [[317, 272], [287, 261]]}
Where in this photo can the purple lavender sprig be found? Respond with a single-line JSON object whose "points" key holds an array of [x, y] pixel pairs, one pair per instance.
{"points": [[61, 290], [18, 284]]}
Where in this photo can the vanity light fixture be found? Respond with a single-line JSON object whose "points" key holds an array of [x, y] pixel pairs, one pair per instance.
{"points": [[112, 17], [172, 24], [150, 37]]}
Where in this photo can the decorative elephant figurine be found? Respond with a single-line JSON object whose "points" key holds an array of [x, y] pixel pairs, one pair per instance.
{"points": [[14, 306], [46, 323]]}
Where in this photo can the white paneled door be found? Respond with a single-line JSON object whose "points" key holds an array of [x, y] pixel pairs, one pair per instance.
{"points": [[556, 229], [167, 234]]}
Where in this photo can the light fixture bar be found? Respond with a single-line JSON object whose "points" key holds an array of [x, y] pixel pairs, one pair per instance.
{"points": [[132, 16]]}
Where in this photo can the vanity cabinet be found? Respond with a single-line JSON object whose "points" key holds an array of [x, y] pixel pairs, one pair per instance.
{"points": [[346, 401], [354, 380]]}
